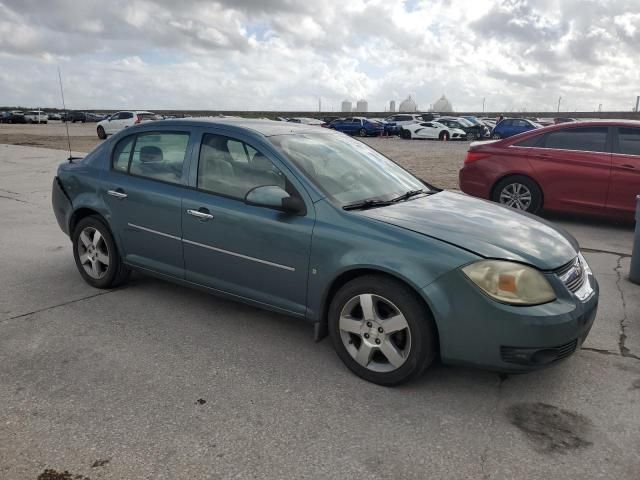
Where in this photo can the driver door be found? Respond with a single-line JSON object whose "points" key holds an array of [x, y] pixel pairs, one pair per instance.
{"points": [[252, 252]]}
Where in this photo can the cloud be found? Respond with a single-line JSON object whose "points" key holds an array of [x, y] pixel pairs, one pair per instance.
{"points": [[284, 54]]}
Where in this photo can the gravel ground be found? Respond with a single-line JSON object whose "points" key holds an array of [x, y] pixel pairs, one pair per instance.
{"points": [[436, 162]]}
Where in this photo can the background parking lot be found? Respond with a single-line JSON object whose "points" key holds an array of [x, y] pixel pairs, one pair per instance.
{"points": [[158, 381]]}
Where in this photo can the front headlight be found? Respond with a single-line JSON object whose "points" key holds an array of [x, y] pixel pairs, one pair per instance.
{"points": [[510, 282]]}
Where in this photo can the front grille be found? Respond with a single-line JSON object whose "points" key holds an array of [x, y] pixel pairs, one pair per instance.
{"points": [[537, 356], [572, 274]]}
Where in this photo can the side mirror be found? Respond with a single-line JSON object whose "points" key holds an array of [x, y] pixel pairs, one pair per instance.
{"points": [[272, 196]]}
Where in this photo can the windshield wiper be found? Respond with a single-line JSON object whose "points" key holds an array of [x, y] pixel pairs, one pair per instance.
{"points": [[367, 204], [407, 195]]}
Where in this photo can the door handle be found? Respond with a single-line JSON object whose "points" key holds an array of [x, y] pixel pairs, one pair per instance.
{"points": [[119, 194], [202, 214]]}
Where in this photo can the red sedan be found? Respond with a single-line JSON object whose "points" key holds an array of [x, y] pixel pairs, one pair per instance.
{"points": [[580, 167]]}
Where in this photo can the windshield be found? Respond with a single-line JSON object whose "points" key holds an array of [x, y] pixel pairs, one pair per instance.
{"points": [[464, 122], [344, 169]]}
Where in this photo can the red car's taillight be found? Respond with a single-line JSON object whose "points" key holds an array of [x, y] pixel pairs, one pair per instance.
{"points": [[137, 119], [475, 156]]}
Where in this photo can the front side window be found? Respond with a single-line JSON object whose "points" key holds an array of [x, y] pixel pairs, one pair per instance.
{"points": [[345, 169], [629, 141], [232, 168], [587, 139], [159, 155]]}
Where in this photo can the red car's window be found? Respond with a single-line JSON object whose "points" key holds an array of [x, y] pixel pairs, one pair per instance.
{"points": [[629, 140], [586, 139]]}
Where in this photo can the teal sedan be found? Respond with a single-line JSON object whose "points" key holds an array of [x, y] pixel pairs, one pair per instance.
{"points": [[316, 225]]}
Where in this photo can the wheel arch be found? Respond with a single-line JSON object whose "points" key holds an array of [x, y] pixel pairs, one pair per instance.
{"points": [[84, 212], [346, 276]]}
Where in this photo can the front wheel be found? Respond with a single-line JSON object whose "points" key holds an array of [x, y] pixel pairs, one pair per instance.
{"points": [[444, 136], [363, 132], [471, 136], [406, 134], [381, 330], [496, 136], [518, 192], [96, 254], [101, 133]]}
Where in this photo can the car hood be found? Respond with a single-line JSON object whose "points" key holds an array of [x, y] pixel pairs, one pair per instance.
{"points": [[487, 229]]}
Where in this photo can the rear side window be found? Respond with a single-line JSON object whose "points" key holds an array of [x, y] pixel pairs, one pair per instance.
{"points": [[586, 139], [629, 141], [121, 154], [529, 142], [148, 116], [125, 115], [159, 155]]}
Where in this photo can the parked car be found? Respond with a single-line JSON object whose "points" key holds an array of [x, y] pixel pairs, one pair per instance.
{"points": [[357, 126], [53, 116], [316, 225], [5, 117], [121, 120], [474, 132], [74, 116], [433, 130], [489, 122], [399, 120], [564, 120], [581, 167], [35, 116], [512, 126], [17, 116], [306, 121]]}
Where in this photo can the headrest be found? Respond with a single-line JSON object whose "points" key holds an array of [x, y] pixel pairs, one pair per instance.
{"points": [[150, 154]]}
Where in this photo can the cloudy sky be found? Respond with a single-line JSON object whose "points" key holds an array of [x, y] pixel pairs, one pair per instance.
{"points": [[285, 54]]}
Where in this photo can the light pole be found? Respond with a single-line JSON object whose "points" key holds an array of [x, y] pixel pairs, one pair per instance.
{"points": [[483, 100], [559, 100]]}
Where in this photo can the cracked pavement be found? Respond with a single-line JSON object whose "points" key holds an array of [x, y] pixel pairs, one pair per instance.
{"points": [[157, 381]]}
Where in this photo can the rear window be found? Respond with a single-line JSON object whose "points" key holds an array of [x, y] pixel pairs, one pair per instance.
{"points": [[586, 139], [149, 116], [629, 141]]}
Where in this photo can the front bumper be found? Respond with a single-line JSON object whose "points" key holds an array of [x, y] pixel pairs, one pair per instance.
{"points": [[478, 331]]}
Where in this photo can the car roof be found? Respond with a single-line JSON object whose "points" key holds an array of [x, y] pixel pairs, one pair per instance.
{"points": [[266, 128]]}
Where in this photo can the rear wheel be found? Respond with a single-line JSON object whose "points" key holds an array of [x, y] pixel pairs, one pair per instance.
{"points": [[444, 136], [518, 192], [96, 254], [381, 330], [406, 134], [101, 133]]}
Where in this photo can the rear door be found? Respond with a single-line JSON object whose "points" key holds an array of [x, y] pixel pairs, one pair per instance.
{"points": [[143, 190], [113, 125], [625, 171], [253, 252], [573, 168]]}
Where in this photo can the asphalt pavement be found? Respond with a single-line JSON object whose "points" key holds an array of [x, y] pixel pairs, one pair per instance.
{"points": [[156, 381]]}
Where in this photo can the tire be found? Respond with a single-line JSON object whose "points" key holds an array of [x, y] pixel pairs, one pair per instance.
{"points": [[406, 134], [444, 136], [412, 346], [496, 136], [362, 132], [519, 192], [471, 136], [109, 275], [101, 133]]}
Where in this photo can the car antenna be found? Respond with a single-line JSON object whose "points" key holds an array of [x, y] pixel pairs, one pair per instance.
{"points": [[66, 119]]}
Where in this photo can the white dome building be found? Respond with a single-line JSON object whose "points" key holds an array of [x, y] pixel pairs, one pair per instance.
{"points": [[408, 105], [443, 105]]}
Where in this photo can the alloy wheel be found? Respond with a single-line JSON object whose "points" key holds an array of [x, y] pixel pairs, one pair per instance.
{"points": [[375, 333], [93, 252], [516, 195]]}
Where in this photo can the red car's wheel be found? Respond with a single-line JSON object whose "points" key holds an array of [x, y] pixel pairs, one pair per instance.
{"points": [[519, 192]]}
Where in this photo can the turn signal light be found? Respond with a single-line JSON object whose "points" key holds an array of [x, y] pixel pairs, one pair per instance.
{"points": [[475, 156]]}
